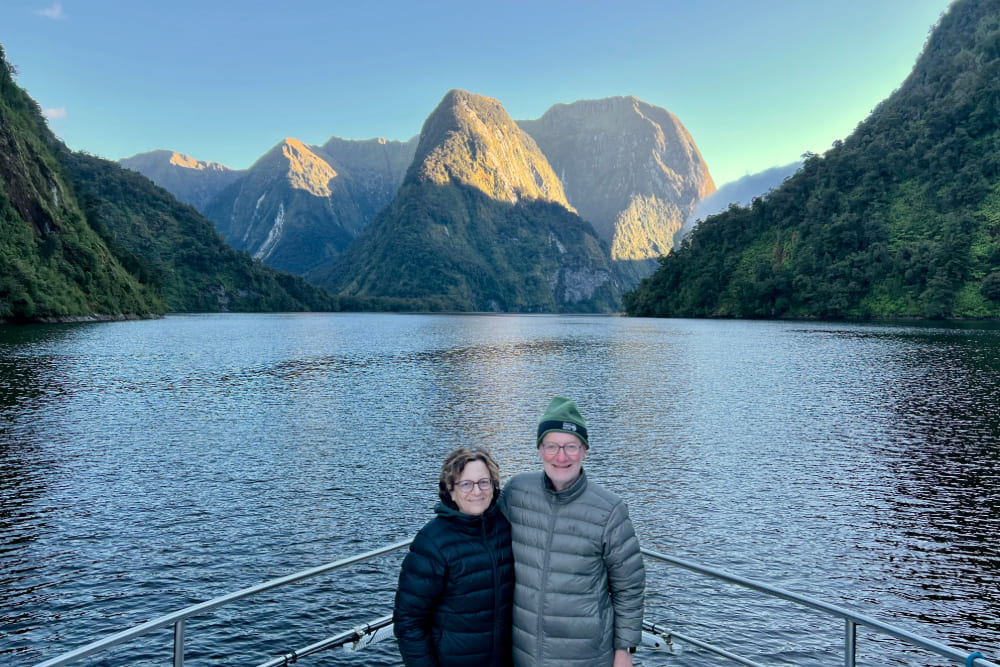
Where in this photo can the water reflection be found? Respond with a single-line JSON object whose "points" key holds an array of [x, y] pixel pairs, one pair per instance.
{"points": [[944, 451], [150, 465]]}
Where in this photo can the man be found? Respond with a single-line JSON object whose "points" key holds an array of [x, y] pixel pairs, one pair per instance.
{"points": [[578, 573]]}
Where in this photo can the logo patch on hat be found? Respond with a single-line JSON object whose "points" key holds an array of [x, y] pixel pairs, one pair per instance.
{"points": [[569, 426]]}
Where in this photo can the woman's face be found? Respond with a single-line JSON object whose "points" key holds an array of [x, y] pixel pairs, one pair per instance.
{"points": [[477, 500]]}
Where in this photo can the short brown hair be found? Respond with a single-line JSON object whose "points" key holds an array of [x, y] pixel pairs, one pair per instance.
{"points": [[455, 463]]}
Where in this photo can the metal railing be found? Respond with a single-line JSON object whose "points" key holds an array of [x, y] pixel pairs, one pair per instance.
{"points": [[178, 618], [851, 619]]}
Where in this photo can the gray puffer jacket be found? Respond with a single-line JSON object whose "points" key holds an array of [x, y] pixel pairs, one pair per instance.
{"points": [[578, 573]]}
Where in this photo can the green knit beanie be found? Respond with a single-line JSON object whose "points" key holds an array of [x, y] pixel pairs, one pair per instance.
{"points": [[563, 415]]}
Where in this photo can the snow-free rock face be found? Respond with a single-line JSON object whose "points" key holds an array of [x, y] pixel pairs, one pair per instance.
{"points": [[630, 168], [480, 223], [297, 207], [291, 210], [192, 181], [376, 166], [471, 140]]}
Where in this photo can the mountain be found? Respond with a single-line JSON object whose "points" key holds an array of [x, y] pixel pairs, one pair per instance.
{"points": [[901, 219], [53, 264], [480, 223], [631, 169], [192, 181], [376, 166], [740, 192], [178, 252], [628, 167], [299, 206], [81, 237]]}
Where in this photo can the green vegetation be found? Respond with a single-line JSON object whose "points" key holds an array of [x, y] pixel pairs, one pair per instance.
{"points": [[82, 237], [52, 264], [900, 220], [172, 248], [453, 248], [470, 230]]}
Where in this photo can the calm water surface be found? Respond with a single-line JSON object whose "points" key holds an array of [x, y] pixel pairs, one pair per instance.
{"points": [[147, 466]]}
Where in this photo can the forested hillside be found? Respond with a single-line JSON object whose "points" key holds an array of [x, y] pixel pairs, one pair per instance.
{"points": [[901, 219], [178, 252], [52, 263], [81, 237]]}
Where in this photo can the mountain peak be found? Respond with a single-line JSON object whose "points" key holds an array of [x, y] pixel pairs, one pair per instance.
{"points": [[471, 140], [630, 168], [188, 162], [192, 181], [305, 170]]}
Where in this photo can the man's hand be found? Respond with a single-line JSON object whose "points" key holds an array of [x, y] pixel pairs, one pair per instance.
{"points": [[622, 658]]}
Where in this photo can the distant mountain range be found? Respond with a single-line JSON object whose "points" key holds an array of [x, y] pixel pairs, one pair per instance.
{"points": [[628, 170], [192, 181], [740, 192]]}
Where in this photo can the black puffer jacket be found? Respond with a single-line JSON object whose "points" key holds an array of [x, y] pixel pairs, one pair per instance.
{"points": [[454, 600]]}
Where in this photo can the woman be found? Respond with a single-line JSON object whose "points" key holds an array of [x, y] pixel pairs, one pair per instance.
{"points": [[454, 600]]}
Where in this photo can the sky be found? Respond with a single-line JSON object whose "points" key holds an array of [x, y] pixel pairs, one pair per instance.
{"points": [[757, 83]]}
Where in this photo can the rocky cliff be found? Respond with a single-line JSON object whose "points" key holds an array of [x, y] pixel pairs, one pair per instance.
{"points": [[192, 181], [298, 206], [377, 167], [481, 223], [628, 167], [291, 210]]}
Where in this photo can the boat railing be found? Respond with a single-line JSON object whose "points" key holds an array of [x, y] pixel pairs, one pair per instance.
{"points": [[654, 635]]}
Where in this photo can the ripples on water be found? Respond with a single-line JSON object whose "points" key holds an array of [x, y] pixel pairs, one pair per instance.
{"points": [[147, 466]]}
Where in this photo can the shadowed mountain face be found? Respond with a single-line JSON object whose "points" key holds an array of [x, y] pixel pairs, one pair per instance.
{"points": [[298, 207], [292, 210], [192, 181], [480, 223], [376, 167], [628, 167]]}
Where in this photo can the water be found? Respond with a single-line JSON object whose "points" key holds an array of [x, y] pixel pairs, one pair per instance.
{"points": [[146, 466]]}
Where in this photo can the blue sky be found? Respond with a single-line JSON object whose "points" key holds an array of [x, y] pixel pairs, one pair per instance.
{"points": [[756, 83]]}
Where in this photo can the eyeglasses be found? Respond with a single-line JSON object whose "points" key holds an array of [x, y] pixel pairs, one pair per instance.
{"points": [[551, 449], [466, 485]]}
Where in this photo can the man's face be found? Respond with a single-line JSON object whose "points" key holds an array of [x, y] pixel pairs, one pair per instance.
{"points": [[561, 466]]}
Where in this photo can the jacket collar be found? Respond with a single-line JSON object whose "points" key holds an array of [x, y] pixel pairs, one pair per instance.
{"points": [[569, 494], [466, 521]]}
